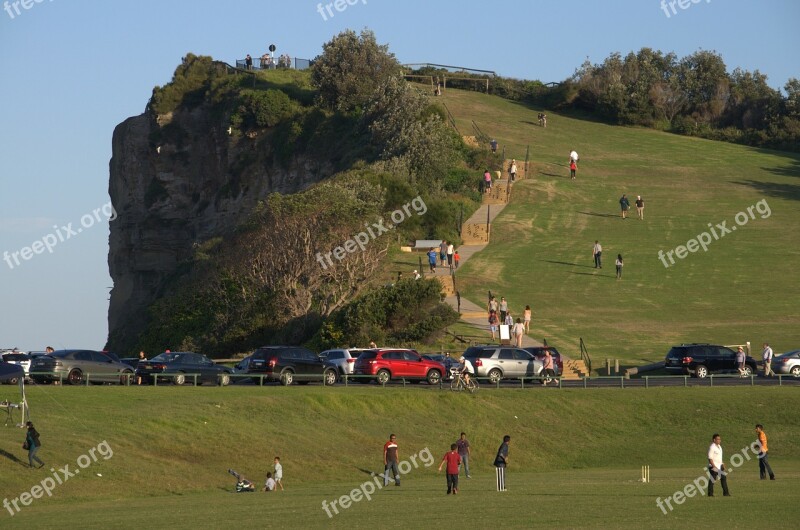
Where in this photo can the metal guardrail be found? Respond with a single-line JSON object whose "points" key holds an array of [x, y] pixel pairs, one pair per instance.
{"points": [[348, 379]]}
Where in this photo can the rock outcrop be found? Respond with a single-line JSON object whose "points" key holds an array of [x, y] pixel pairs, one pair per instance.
{"points": [[177, 181]]}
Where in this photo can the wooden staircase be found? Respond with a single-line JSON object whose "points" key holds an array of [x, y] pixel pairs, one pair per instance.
{"points": [[574, 369]]}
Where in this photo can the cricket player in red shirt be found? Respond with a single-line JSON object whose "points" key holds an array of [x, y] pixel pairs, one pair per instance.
{"points": [[453, 461]]}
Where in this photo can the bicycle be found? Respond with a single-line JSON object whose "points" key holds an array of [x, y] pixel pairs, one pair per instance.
{"points": [[460, 383]]}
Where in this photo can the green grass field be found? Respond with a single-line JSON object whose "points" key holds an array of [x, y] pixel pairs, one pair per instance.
{"points": [[574, 462], [743, 288]]}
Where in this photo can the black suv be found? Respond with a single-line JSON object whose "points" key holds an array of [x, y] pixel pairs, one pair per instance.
{"points": [[283, 363], [700, 360]]}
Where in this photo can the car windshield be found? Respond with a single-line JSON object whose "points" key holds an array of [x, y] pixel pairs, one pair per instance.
{"points": [[166, 357]]}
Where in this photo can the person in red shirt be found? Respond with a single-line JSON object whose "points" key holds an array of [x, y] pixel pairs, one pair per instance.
{"points": [[453, 460], [390, 460]]}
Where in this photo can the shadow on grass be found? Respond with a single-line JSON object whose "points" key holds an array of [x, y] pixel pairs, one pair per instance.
{"points": [[601, 214], [13, 458], [771, 189], [592, 274], [567, 263], [554, 175]]}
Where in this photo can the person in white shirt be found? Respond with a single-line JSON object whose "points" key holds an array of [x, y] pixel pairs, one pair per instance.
{"points": [[278, 472], [466, 368], [573, 156], [716, 468], [513, 170], [519, 331], [269, 484], [766, 356], [597, 253]]}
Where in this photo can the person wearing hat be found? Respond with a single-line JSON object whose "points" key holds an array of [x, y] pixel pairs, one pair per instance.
{"points": [[740, 358], [417, 275]]}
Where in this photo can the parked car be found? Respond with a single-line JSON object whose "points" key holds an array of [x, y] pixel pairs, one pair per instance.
{"points": [[501, 362], [182, 363], [21, 359], [700, 360], [538, 354], [343, 358], [76, 365], [787, 363], [289, 363], [397, 363]]}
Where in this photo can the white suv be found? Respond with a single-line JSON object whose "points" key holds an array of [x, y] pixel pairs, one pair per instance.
{"points": [[343, 358]]}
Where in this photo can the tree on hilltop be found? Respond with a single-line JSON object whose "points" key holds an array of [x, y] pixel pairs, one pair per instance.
{"points": [[350, 68]]}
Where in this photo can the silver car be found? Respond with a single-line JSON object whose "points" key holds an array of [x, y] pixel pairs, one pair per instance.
{"points": [[787, 363], [502, 362], [343, 358]]}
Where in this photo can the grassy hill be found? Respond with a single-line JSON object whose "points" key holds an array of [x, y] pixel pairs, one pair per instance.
{"points": [[743, 288], [172, 447]]}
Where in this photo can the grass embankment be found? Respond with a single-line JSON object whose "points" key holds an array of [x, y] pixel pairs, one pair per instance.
{"points": [[575, 455], [744, 288]]}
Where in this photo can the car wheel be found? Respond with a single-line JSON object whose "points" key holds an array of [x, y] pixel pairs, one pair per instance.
{"points": [[179, 379], [747, 371], [287, 377], [495, 375], [75, 377], [383, 377], [330, 377], [434, 376], [125, 377], [13, 381], [795, 371], [701, 372], [224, 379]]}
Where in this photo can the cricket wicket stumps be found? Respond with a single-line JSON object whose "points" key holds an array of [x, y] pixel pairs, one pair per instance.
{"points": [[645, 474]]}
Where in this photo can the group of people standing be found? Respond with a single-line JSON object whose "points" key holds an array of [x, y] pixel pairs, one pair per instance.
{"points": [[499, 314], [447, 254]]}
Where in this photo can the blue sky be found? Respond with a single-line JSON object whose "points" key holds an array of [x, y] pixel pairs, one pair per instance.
{"points": [[73, 69]]}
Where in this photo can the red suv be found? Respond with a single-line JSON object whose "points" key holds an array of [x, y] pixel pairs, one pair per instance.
{"points": [[387, 364]]}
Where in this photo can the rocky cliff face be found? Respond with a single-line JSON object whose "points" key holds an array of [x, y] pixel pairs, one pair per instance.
{"points": [[176, 181]]}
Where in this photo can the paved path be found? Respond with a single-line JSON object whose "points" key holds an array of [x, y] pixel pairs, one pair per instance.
{"points": [[472, 313]]}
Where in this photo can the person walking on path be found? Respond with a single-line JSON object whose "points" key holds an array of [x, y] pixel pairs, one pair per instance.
{"points": [[624, 205], [32, 444], [493, 305], [493, 145], [432, 260], [619, 266], [597, 253], [443, 252], [512, 170], [450, 250], [526, 318], [456, 258], [464, 451], [390, 460], [716, 469], [487, 181], [453, 461], [764, 468], [493, 322], [500, 463], [573, 168], [503, 309], [519, 332], [766, 356], [639, 207]]}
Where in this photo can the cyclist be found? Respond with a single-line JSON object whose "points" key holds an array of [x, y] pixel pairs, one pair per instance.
{"points": [[465, 369]]}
